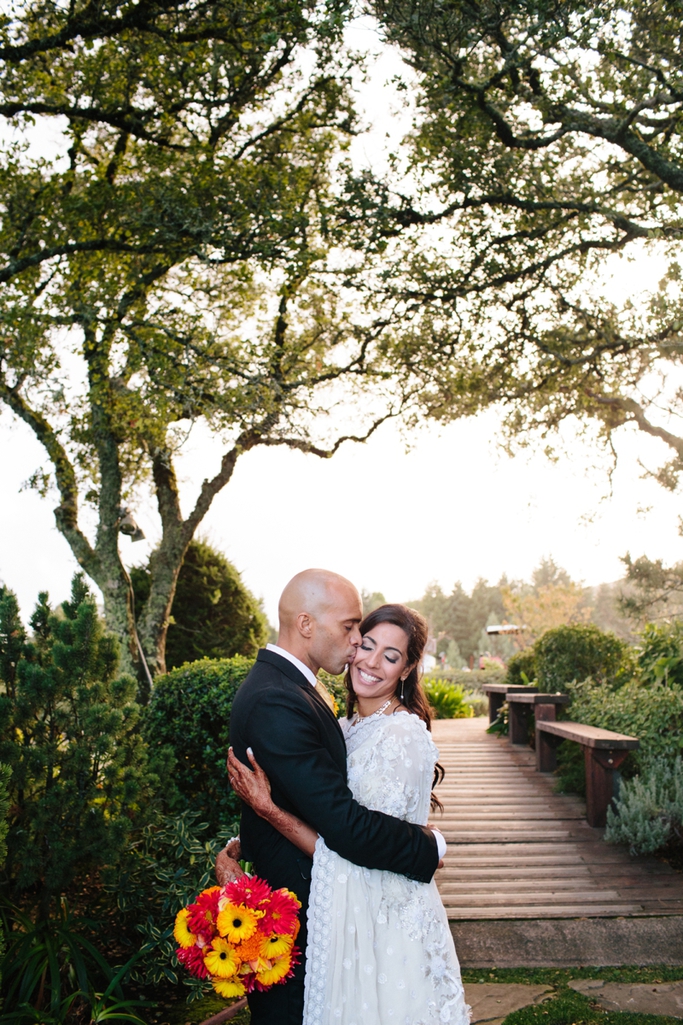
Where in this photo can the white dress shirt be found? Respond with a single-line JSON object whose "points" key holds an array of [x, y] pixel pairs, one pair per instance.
{"points": [[310, 676], [297, 663]]}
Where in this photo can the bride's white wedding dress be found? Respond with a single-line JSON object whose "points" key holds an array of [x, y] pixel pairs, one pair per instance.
{"points": [[379, 946]]}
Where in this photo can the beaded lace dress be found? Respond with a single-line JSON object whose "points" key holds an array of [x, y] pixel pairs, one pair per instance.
{"points": [[379, 946]]}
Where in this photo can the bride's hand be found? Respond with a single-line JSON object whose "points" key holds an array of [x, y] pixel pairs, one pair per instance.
{"points": [[253, 787]]}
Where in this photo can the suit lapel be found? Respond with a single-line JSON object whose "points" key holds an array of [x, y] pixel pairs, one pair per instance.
{"points": [[292, 673]]}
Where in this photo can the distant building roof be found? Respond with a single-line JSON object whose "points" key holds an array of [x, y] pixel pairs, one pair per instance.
{"points": [[504, 628]]}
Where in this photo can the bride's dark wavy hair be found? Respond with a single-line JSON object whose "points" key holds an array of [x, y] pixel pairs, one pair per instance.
{"points": [[415, 628]]}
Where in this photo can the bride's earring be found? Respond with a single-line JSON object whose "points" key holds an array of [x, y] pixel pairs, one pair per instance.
{"points": [[403, 683]]}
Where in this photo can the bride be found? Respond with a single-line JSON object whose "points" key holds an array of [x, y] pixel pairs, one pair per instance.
{"points": [[379, 946]]}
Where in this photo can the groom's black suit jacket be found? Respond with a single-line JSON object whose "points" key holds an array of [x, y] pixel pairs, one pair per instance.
{"points": [[298, 742]]}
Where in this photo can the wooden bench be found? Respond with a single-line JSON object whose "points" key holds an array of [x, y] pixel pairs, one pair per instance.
{"points": [[497, 694], [521, 704], [604, 751]]}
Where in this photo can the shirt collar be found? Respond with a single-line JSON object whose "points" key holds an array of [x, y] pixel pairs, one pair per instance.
{"points": [[308, 673]]}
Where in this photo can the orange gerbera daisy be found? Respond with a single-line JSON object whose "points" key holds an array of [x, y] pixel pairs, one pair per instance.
{"points": [[250, 950]]}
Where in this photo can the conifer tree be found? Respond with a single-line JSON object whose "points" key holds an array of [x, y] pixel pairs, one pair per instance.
{"points": [[68, 731]]}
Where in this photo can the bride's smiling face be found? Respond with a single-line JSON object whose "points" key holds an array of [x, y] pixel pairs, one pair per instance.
{"points": [[380, 662]]}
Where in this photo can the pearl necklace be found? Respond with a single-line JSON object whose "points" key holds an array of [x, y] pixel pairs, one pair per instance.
{"points": [[378, 711]]}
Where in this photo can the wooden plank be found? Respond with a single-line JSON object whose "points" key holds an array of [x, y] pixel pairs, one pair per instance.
{"points": [[589, 736], [457, 914], [517, 850]]}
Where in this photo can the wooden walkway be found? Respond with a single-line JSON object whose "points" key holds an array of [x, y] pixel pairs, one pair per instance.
{"points": [[516, 850]]}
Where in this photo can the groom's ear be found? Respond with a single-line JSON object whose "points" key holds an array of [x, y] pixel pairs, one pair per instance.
{"points": [[304, 622]]}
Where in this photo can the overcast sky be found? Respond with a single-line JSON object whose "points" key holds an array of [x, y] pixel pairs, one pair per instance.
{"points": [[453, 508]]}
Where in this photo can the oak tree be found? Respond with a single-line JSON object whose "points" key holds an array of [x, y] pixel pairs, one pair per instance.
{"points": [[172, 258]]}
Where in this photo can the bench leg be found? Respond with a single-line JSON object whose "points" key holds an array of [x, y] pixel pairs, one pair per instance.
{"points": [[600, 766], [545, 712], [495, 701], [519, 722], [546, 754]]}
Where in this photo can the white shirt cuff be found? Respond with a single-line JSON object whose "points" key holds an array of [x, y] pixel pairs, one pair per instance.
{"points": [[440, 844]]}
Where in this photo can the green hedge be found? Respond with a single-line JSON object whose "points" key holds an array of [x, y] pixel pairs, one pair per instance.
{"points": [[578, 652], [189, 712], [653, 714]]}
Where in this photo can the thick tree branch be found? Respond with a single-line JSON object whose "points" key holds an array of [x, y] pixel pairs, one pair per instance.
{"points": [[635, 413], [66, 513]]}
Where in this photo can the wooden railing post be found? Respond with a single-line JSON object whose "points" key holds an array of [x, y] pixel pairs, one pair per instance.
{"points": [[600, 766], [518, 722], [546, 753]]}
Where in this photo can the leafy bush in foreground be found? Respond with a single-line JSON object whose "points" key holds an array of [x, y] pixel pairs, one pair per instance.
{"points": [[164, 868], [649, 810], [660, 659], [447, 700]]}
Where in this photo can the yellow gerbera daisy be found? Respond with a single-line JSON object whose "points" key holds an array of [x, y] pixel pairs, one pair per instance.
{"points": [[220, 960], [272, 975], [274, 945], [237, 922], [228, 988], [183, 937]]}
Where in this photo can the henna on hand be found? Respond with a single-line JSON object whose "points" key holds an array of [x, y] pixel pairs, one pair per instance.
{"points": [[251, 785]]}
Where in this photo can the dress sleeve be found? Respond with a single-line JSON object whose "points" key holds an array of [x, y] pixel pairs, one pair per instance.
{"points": [[403, 768], [288, 745]]}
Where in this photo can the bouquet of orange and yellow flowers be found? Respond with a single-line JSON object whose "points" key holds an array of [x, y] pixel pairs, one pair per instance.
{"points": [[241, 936]]}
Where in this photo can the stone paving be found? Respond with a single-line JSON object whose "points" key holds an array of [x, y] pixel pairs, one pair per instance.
{"points": [[492, 1001], [664, 998]]}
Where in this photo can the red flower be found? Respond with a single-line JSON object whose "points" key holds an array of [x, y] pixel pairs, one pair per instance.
{"points": [[192, 958], [248, 890], [203, 913], [281, 913]]}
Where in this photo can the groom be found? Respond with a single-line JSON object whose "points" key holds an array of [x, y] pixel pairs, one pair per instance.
{"points": [[279, 712]]}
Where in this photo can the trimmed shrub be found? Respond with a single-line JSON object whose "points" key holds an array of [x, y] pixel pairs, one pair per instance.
{"points": [[521, 665], [189, 713], [580, 651], [448, 701], [213, 614], [648, 812]]}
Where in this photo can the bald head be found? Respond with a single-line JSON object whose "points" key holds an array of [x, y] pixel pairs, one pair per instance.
{"points": [[319, 615]]}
